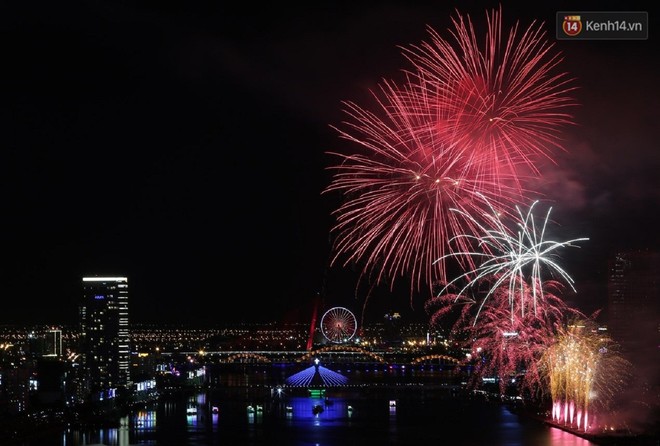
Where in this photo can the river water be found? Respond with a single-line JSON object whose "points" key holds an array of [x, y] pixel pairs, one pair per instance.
{"points": [[260, 414]]}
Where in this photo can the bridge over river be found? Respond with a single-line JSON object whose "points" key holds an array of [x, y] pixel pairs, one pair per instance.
{"points": [[333, 354]]}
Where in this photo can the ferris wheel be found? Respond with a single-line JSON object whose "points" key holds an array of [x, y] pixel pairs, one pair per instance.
{"points": [[338, 325]]}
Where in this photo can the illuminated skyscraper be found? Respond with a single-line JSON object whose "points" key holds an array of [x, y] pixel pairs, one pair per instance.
{"points": [[54, 342], [104, 333]]}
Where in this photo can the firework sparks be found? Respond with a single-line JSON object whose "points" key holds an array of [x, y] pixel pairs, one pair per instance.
{"points": [[396, 214], [584, 369], [507, 99], [512, 257], [504, 343], [463, 131]]}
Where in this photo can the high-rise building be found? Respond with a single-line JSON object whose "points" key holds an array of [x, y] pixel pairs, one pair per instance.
{"points": [[104, 333], [54, 342], [634, 306]]}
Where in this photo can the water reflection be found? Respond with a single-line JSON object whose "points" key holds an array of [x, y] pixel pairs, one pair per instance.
{"points": [[386, 415], [110, 436], [558, 436], [296, 421]]}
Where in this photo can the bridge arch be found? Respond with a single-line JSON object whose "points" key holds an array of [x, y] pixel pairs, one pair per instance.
{"points": [[244, 357], [341, 349], [435, 357]]}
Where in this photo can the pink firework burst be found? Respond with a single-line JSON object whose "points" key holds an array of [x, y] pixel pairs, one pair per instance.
{"points": [[504, 343], [461, 133]]}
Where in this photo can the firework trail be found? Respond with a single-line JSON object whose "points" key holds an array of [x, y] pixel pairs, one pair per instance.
{"points": [[513, 258], [505, 343], [462, 131], [585, 371]]}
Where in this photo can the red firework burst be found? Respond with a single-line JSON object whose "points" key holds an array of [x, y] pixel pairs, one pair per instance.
{"points": [[457, 134], [504, 104]]}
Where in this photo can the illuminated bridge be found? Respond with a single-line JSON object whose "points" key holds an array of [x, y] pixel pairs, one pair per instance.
{"points": [[342, 366], [334, 354]]}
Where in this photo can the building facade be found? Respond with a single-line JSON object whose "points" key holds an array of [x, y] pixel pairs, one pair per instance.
{"points": [[634, 307], [104, 334]]}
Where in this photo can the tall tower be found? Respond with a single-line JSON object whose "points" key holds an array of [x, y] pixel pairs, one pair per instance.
{"points": [[104, 333], [634, 307]]}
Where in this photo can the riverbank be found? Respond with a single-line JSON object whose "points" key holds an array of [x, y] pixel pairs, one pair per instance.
{"points": [[611, 438], [604, 438]]}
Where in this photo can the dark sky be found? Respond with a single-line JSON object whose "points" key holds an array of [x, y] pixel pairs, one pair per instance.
{"points": [[186, 148]]}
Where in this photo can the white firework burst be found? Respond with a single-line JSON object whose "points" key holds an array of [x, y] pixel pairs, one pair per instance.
{"points": [[510, 257]]}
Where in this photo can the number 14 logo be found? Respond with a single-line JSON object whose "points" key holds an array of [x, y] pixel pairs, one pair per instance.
{"points": [[572, 25]]}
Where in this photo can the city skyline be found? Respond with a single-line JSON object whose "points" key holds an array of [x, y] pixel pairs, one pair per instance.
{"points": [[187, 150]]}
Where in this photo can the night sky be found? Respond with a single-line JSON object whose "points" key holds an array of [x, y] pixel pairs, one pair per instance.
{"points": [[186, 148]]}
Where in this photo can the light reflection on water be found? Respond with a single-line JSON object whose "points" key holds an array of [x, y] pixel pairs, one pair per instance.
{"points": [[405, 416], [559, 436], [344, 420]]}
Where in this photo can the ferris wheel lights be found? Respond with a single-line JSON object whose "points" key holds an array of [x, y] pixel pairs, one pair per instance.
{"points": [[338, 325]]}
